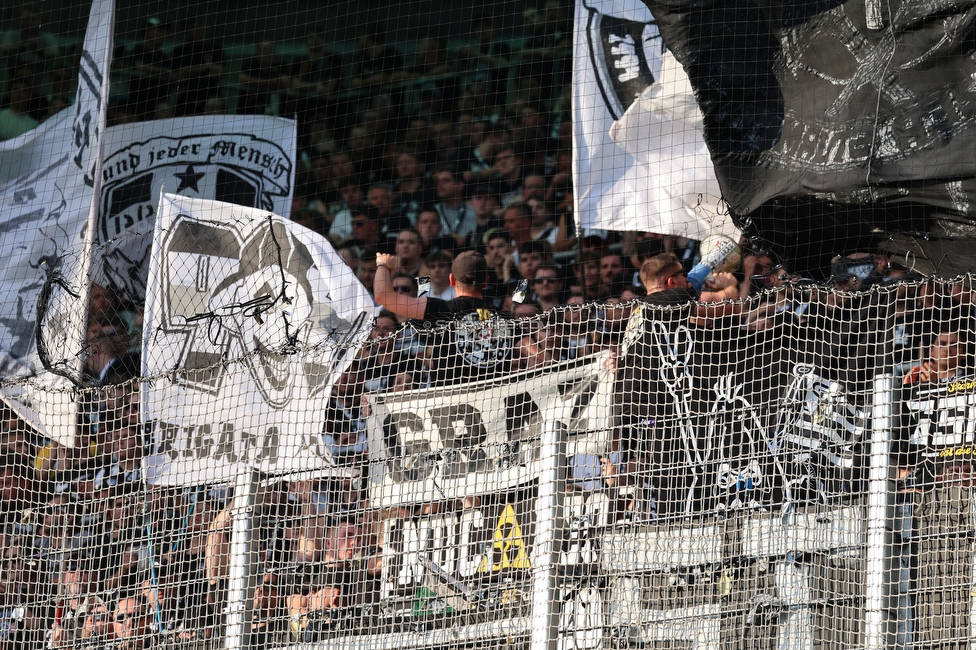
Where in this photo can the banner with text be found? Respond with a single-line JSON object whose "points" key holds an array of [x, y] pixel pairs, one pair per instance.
{"points": [[245, 160], [457, 442]]}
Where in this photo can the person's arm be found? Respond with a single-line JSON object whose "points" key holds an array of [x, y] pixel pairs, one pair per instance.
{"points": [[721, 287], [714, 301], [565, 240], [399, 304]]}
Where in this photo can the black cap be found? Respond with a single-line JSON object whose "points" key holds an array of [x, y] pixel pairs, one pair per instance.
{"points": [[470, 268]]}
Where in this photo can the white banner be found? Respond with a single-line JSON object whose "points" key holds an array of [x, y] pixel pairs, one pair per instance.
{"points": [[639, 158], [458, 442], [255, 317], [246, 160], [48, 180]]}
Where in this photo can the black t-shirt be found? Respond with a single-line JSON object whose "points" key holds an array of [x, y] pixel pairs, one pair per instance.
{"points": [[651, 371], [469, 341], [672, 297], [410, 204]]}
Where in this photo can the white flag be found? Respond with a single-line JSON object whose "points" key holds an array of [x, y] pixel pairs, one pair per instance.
{"points": [[640, 161], [49, 181], [254, 317]]}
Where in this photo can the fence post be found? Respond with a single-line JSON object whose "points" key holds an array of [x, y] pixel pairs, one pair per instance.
{"points": [[548, 537], [242, 576], [878, 511]]}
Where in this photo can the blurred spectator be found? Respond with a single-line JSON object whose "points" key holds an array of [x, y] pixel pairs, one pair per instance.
{"points": [[613, 274], [534, 188], [366, 230], [268, 621], [380, 203], [592, 284], [319, 72], [531, 255], [576, 323], [28, 45], [498, 247], [430, 229], [149, 70], [15, 119], [15, 487], [507, 174], [122, 545], [344, 432], [470, 131], [374, 63], [350, 255], [438, 267], [485, 61], [107, 340], [351, 199], [409, 250], [854, 272], [365, 153], [442, 148], [517, 220], [367, 268], [476, 166], [381, 361], [261, 75], [544, 228], [97, 627], [124, 474], [430, 60], [197, 69], [341, 172], [458, 217], [781, 304], [411, 193], [756, 270], [947, 357], [484, 203], [21, 613]]}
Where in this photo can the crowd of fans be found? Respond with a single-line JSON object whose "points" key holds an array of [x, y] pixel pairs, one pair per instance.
{"points": [[422, 155]]}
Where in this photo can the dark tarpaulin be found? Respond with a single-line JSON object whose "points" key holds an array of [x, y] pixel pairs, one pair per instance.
{"points": [[838, 126]]}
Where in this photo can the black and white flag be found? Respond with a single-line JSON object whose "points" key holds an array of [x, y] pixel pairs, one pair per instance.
{"points": [[640, 161], [254, 317], [49, 181]]}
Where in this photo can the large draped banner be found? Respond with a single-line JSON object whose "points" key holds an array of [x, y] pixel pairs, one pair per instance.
{"points": [[854, 102], [255, 317], [49, 179], [640, 161]]}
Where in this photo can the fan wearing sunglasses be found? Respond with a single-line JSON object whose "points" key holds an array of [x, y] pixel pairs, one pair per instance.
{"points": [[548, 287]]}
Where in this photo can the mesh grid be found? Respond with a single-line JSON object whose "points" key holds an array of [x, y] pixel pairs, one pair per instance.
{"points": [[717, 390]]}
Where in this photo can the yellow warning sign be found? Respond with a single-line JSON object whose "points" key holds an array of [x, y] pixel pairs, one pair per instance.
{"points": [[508, 549]]}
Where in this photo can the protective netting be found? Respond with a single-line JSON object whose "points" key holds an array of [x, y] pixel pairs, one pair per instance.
{"points": [[711, 384], [791, 469]]}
